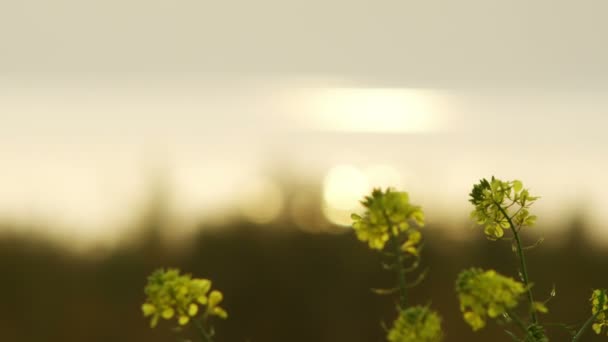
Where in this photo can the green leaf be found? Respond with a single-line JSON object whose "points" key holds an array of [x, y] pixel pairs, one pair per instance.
{"points": [[530, 220]]}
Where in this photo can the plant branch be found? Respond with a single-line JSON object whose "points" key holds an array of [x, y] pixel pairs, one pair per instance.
{"points": [[522, 261], [205, 337], [400, 275], [517, 321], [586, 326], [401, 271]]}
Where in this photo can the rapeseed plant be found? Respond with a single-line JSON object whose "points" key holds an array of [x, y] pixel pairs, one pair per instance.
{"points": [[388, 214], [390, 224], [174, 295], [416, 324], [505, 206], [484, 294], [599, 306]]}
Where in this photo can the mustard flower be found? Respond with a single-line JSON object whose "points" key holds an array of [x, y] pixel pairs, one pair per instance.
{"points": [[213, 308], [416, 324], [387, 214], [485, 294], [170, 294], [412, 244], [599, 307], [500, 204]]}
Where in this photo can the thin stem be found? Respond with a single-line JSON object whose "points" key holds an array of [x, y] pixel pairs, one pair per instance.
{"points": [[517, 321], [522, 261], [205, 337], [586, 326], [401, 275], [398, 265]]}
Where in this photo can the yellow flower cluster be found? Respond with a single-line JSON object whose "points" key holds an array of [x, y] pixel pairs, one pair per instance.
{"points": [[416, 324], [170, 294], [599, 307], [494, 200], [387, 214], [485, 294]]}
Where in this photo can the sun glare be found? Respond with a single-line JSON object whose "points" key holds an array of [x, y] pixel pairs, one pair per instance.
{"points": [[373, 110], [345, 185]]}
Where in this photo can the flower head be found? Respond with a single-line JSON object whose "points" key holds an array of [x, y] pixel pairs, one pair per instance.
{"points": [[599, 307], [485, 294], [498, 204], [170, 294], [416, 324], [387, 214]]}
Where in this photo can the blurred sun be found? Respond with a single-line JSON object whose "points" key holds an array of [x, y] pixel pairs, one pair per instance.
{"points": [[373, 110], [343, 187]]}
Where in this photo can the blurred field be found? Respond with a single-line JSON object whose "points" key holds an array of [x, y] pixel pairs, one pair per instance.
{"points": [[280, 284], [264, 122]]}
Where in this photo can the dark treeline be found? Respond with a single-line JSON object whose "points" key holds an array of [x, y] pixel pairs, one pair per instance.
{"points": [[280, 284]]}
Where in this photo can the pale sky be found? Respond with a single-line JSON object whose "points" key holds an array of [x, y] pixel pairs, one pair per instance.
{"points": [[383, 43], [96, 94]]}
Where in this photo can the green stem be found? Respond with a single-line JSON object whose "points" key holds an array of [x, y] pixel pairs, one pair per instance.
{"points": [[518, 321], [522, 261], [586, 326], [398, 265], [401, 275], [205, 337]]}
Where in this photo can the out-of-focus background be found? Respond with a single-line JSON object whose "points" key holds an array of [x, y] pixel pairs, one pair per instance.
{"points": [[233, 139]]}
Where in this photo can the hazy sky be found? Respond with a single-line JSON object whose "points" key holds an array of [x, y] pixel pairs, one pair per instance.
{"points": [[96, 95], [399, 43]]}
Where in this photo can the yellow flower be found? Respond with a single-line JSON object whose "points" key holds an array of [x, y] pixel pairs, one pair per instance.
{"points": [[599, 307], [387, 214], [168, 313], [485, 294], [540, 307], [148, 309], [416, 324], [474, 320], [411, 244], [497, 202], [183, 320], [192, 309], [170, 294], [215, 298]]}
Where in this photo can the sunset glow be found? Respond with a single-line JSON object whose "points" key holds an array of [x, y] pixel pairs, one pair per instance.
{"points": [[373, 110]]}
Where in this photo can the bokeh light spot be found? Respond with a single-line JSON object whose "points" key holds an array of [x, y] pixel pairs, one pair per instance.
{"points": [[343, 188]]}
